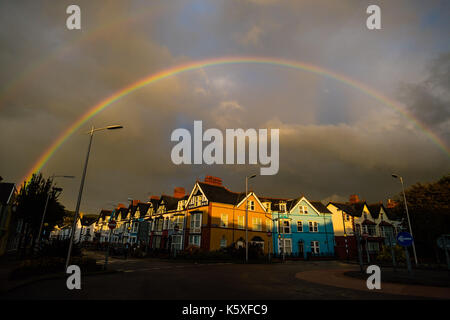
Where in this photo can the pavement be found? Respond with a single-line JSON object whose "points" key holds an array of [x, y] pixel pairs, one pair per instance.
{"points": [[338, 278]]}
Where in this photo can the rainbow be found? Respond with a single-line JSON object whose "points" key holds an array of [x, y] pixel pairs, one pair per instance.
{"points": [[228, 61]]}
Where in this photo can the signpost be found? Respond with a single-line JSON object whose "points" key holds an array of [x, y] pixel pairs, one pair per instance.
{"points": [[405, 239]]}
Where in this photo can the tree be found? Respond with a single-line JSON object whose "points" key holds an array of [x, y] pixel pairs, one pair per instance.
{"points": [[429, 210], [30, 207]]}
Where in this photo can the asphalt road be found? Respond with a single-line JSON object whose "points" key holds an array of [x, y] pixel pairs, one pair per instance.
{"points": [[159, 279]]}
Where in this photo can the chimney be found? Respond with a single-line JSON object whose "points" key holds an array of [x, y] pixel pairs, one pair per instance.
{"points": [[135, 202], [121, 205], [179, 192], [354, 199], [213, 180], [391, 203], [154, 198]]}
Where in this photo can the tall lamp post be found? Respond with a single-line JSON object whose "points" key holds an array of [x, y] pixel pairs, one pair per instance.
{"points": [[407, 215], [246, 215], [38, 242], [80, 192]]}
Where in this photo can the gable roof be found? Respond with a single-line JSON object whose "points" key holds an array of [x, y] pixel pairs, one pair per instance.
{"points": [[220, 194], [143, 208], [354, 209], [375, 209], [171, 203], [104, 213], [319, 206]]}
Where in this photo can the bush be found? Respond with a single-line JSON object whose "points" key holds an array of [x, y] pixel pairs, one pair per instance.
{"points": [[386, 256], [46, 265], [60, 249]]}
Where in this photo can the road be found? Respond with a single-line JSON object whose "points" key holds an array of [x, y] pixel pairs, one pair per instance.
{"points": [[159, 279]]}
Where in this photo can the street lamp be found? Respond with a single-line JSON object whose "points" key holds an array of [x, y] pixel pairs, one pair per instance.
{"points": [[246, 215], [80, 192], [407, 215], [45, 207]]}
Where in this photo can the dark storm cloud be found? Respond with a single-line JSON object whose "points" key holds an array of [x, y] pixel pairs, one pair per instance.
{"points": [[334, 139], [429, 100]]}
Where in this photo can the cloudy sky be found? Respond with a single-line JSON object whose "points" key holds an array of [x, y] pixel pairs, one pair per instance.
{"points": [[334, 139]]}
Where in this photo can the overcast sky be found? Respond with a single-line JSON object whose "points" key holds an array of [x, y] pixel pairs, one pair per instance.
{"points": [[334, 139]]}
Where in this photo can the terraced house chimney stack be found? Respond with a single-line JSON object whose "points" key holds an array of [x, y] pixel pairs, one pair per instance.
{"points": [[213, 180], [179, 192], [354, 199]]}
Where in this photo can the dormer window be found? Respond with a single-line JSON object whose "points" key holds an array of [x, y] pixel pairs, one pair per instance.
{"points": [[282, 207], [251, 205], [267, 205]]}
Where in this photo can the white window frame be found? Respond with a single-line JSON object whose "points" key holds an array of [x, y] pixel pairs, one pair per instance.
{"points": [[281, 246], [315, 247], [313, 226], [283, 226], [256, 224], [241, 226], [224, 220], [301, 226], [303, 209], [251, 205], [193, 240]]}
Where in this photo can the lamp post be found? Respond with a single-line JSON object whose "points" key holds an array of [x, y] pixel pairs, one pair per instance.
{"points": [[38, 242], [246, 215], [80, 192], [407, 215]]}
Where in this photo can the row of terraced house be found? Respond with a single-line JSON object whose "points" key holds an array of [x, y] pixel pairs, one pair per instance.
{"points": [[212, 217]]}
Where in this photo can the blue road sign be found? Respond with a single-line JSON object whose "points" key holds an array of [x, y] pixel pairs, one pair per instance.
{"points": [[404, 239]]}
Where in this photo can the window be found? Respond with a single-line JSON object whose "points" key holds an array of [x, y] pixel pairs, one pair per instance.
{"points": [[241, 222], [285, 226], [358, 229], [315, 247], [347, 217], [166, 224], [257, 224], [251, 205], [373, 246], [285, 247], [223, 242], [194, 240], [372, 230], [364, 228], [299, 226], [269, 225], [196, 220], [303, 209], [179, 221], [282, 207], [313, 226], [267, 205], [176, 242], [224, 221]]}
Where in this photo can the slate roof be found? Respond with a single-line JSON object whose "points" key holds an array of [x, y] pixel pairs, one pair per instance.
{"points": [[170, 202], [354, 210], [6, 189], [320, 207], [143, 208], [220, 194], [104, 213], [374, 209]]}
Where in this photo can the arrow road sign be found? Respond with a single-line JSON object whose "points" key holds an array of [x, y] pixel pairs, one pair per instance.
{"points": [[404, 239]]}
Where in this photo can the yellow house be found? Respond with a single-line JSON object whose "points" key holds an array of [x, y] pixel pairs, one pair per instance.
{"points": [[216, 218]]}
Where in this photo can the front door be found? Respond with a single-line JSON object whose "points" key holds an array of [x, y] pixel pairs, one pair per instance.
{"points": [[300, 250]]}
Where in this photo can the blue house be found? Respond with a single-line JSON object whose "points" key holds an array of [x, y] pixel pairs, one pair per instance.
{"points": [[301, 228]]}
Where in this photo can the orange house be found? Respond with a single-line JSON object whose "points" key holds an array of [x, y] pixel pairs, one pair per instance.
{"points": [[216, 218]]}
